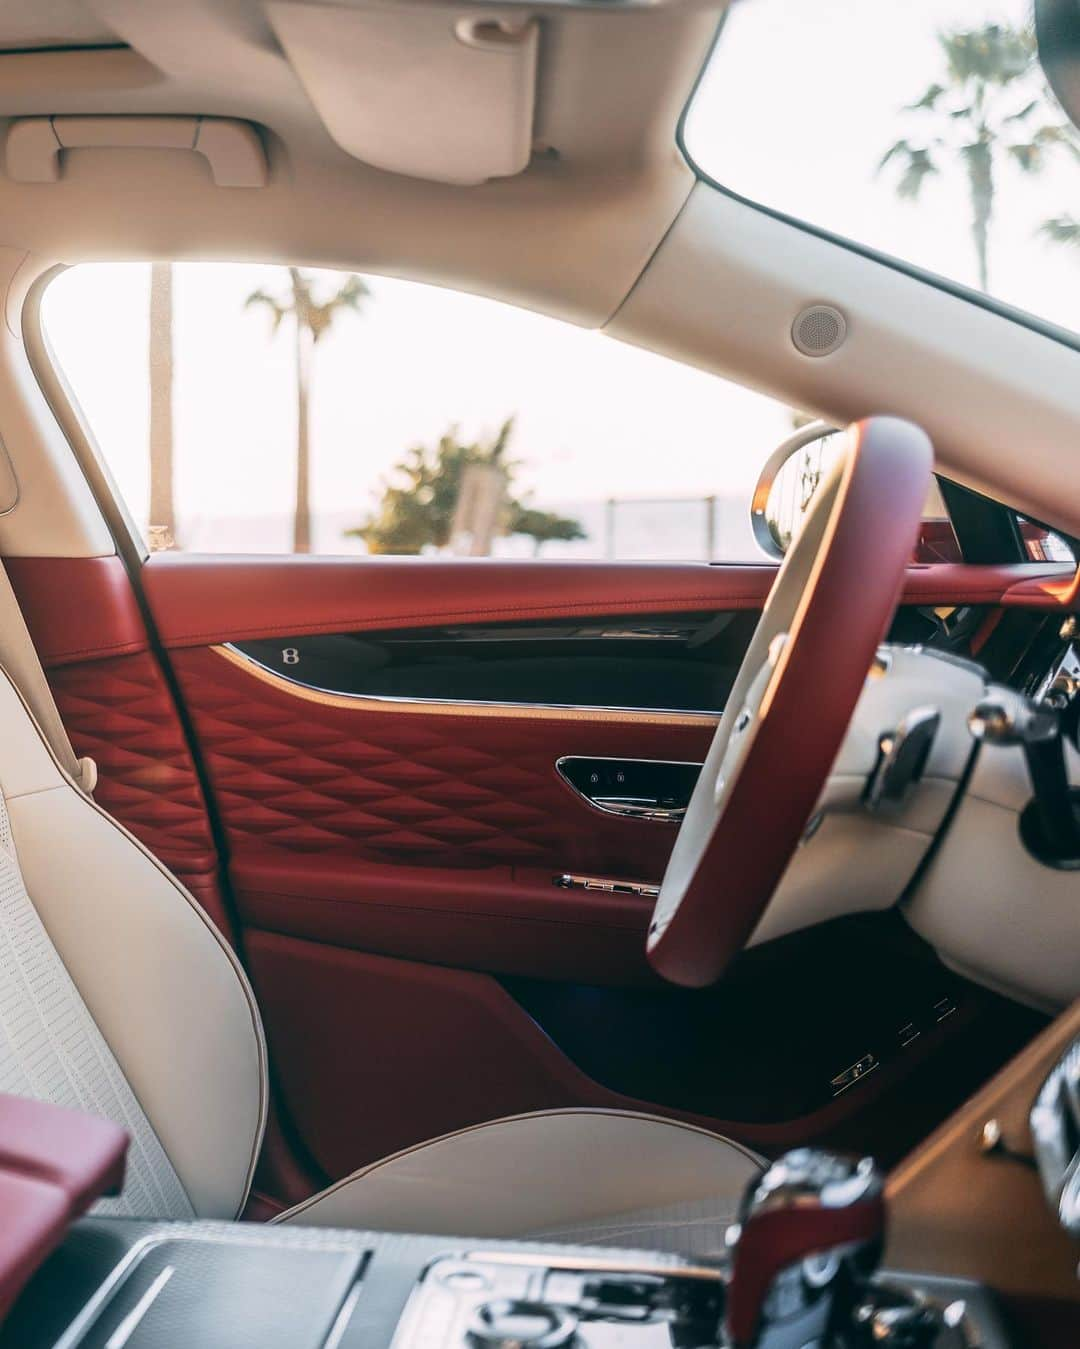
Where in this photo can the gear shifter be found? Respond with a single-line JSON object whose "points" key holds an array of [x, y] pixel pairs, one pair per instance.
{"points": [[810, 1230]]}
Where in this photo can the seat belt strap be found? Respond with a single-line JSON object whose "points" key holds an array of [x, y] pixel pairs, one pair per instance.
{"points": [[19, 658]]}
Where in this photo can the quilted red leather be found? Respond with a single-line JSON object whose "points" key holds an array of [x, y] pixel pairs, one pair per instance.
{"points": [[90, 636], [431, 790], [120, 712]]}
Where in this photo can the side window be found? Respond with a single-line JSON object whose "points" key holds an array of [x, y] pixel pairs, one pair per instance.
{"points": [[1042, 544], [937, 540], [268, 409]]}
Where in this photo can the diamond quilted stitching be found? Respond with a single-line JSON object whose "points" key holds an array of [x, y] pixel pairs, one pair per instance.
{"points": [[410, 786], [121, 714], [388, 786], [442, 791]]}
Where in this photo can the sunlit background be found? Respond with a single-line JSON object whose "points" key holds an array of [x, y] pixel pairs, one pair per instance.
{"points": [[637, 456]]}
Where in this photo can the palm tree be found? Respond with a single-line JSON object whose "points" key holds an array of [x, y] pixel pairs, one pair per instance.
{"points": [[543, 526], [313, 319], [419, 504], [162, 522], [1063, 229], [990, 106]]}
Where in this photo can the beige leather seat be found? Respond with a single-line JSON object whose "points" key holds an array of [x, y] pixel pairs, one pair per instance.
{"points": [[119, 997]]}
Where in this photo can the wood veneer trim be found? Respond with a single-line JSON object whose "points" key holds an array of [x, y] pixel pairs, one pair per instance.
{"points": [[1037, 1058], [955, 1210]]}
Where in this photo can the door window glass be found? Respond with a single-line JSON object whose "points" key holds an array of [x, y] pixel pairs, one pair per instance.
{"points": [[264, 409]]}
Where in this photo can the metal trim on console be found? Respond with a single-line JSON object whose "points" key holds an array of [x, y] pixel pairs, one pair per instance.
{"points": [[196, 1233], [625, 1264]]}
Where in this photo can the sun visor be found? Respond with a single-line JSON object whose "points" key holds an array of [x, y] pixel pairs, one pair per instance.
{"points": [[432, 92]]}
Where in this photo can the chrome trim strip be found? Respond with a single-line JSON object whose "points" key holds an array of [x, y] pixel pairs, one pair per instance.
{"points": [[130, 1323], [633, 808], [85, 1319], [459, 706], [341, 1324], [194, 1232], [607, 885], [673, 1267]]}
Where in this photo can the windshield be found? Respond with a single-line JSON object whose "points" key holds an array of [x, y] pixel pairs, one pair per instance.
{"points": [[924, 130]]}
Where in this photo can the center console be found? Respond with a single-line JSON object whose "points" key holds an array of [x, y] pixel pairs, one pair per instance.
{"points": [[992, 1199], [125, 1284]]}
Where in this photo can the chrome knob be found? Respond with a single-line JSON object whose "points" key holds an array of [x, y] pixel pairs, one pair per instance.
{"points": [[893, 1318], [805, 1228], [1007, 718], [514, 1323]]}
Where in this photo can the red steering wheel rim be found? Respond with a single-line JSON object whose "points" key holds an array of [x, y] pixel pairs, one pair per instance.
{"points": [[843, 613]]}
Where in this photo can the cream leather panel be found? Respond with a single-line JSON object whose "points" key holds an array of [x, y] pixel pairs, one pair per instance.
{"points": [[988, 906], [56, 512], [165, 992], [584, 1175], [858, 861], [51, 1050], [728, 279]]}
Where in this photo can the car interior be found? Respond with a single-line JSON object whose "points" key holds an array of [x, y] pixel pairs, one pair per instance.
{"points": [[442, 945]]}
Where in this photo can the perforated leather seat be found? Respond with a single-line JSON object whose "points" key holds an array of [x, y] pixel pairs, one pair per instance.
{"points": [[119, 997]]}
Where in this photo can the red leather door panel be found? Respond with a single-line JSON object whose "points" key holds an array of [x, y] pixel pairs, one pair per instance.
{"points": [[409, 785], [368, 844], [371, 825], [418, 1050], [201, 601], [118, 709], [373, 829]]}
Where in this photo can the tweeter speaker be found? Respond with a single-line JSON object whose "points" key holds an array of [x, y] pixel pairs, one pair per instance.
{"points": [[818, 330]]}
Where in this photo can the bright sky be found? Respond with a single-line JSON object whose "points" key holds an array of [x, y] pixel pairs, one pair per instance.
{"points": [[795, 111], [801, 101]]}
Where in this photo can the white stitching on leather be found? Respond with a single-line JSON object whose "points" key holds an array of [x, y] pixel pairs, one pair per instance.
{"points": [[204, 918], [52, 1050], [643, 1116]]}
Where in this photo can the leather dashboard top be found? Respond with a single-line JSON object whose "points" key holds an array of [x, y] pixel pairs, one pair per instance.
{"points": [[202, 600]]}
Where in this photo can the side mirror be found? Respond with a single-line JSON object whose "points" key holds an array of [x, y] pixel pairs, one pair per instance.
{"points": [[790, 478], [788, 482], [1057, 28]]}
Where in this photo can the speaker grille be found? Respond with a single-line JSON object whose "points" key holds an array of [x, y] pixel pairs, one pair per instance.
{"points": [[818, 330]]}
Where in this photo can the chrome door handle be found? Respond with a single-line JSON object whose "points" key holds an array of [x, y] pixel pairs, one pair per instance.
{"points": [[642, 789], [642, 807]]}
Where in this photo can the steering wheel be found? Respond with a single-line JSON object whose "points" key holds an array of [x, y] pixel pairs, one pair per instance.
{"points": [[792, 700]]}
